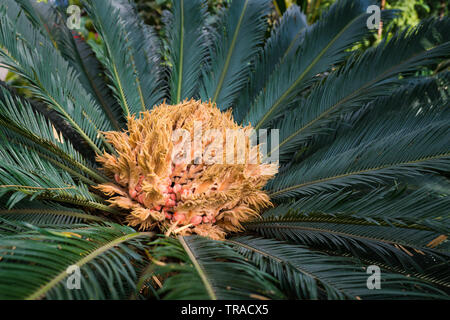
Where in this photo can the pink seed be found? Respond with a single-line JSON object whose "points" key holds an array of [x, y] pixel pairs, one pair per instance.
{"points": [[117, 178], [206, 219], [167, 215], [138, 188], [195, 220], [141, 198], [133, 193], [158, 208], [178, 216], [177, 188], [169, 189], [170, 203], [173, 196]]}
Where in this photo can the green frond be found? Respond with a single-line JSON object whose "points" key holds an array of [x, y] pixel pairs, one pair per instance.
{"points": [[128, 56], [239, 34], [29, 54], [77, 52], [283, 42], [205, 271], [308, 274], [187, 45], [35, 263], [406, 225], [394, 139], [396, 226], [374, 74], [400, 206], [391, 245], [25, 174], [325, 44], [44, 214], [20, 124], [148, 57]]}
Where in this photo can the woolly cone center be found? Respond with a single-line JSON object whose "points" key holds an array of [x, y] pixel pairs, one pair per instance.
{"points": [[160, 181]]}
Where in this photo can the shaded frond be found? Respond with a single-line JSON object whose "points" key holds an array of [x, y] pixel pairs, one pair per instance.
{"points": [[35, 264], [210, 270], [308, 274], [128, 57], [45, 214], [20, 124], [396, 206], [283, 42], [240, 32], [395, 139], [396, 226], [187, 47], [372, 75], [23, 173], [325, 44], [29, 54], [77, 52]]}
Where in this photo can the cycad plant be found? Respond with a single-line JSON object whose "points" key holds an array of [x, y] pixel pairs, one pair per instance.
{"points": [[93, 206]]}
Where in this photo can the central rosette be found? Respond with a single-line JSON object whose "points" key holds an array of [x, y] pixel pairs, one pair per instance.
{"points": [[186, 168]]}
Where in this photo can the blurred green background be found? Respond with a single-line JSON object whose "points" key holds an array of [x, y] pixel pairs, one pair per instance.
{"points": [[413, 10]]}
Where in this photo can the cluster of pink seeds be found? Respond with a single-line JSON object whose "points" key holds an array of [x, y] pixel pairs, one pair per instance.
{"points": [[176, 188]]}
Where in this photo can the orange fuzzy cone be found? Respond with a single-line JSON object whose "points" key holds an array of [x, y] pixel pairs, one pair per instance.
{"points": [[158, 189]]}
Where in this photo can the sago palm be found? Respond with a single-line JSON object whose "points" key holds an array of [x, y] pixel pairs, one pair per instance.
{"points": [[87, 181]]}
